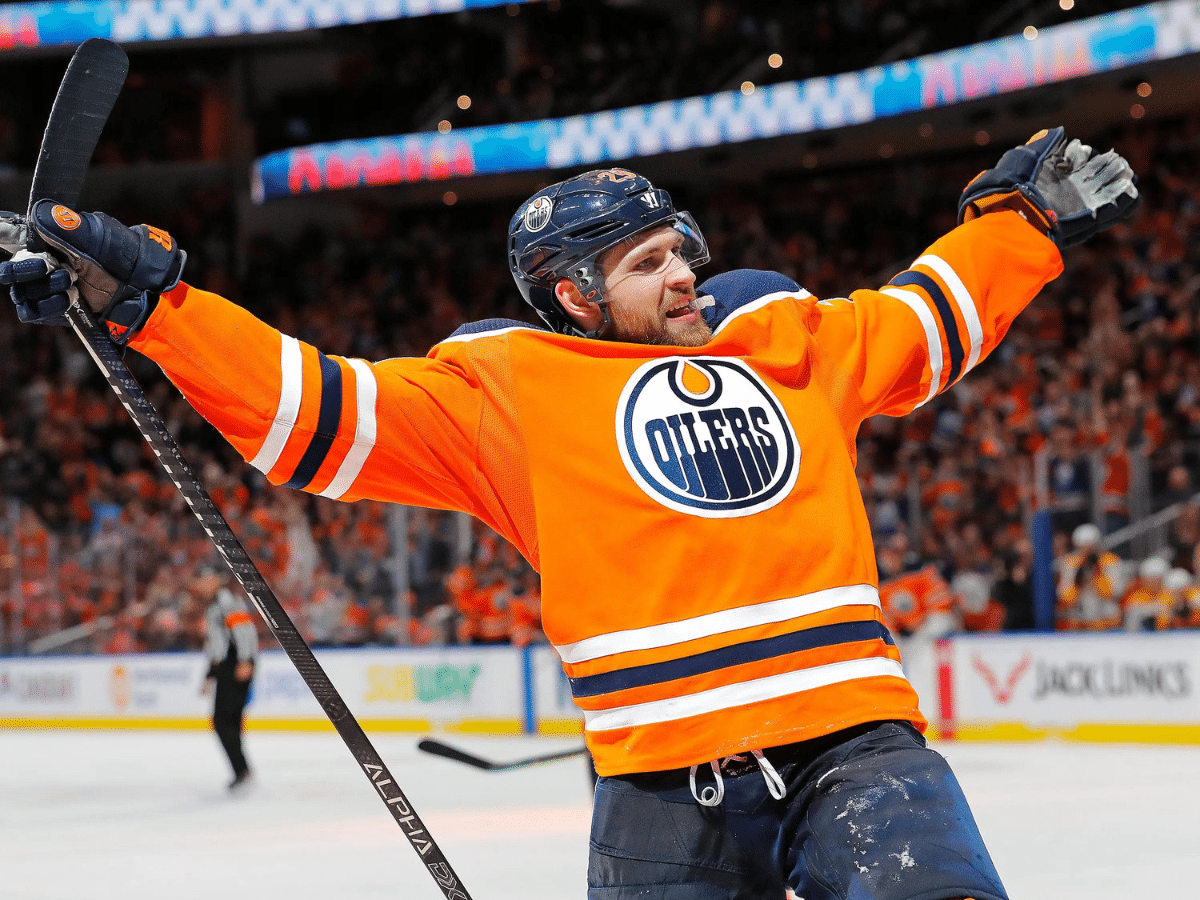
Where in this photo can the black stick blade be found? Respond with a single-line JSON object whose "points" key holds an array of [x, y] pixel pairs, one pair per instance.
{"points": [[437, 748], [85, 98]]}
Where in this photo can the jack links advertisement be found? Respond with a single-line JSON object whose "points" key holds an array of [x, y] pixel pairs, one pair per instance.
{"points": [[1157, 31], [1118, 687]]}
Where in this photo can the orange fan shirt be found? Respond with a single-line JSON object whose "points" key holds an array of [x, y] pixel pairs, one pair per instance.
{"points": [[708, 575], [909, 599]]}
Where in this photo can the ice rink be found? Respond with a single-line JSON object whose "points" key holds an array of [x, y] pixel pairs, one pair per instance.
{"points": [[145, 816]]}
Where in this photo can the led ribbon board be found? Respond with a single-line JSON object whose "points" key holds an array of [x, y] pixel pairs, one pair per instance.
{"points": [[65, 23], [1091, 46]]}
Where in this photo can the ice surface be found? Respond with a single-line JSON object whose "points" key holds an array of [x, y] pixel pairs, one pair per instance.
{"points": [[145, 815]]}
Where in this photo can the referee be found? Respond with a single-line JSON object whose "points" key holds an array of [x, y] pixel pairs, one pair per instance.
{"points": [[231, 644]]}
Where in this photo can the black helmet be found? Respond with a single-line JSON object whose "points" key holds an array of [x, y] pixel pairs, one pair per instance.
{"points": [[560, 231]]}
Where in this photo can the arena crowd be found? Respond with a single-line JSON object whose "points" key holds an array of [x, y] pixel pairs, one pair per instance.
{"points": [[1104, 364]]}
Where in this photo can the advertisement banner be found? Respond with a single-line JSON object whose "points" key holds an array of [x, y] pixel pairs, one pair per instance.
{"points": [[554, 709], [469, 688], [1065, 682], [442, 685], [145, 686]]}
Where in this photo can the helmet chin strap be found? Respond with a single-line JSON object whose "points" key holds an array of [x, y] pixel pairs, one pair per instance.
{"points": [[605, 325], [584, 278]]}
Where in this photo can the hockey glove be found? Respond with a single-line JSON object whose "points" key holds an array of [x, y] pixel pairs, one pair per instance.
{"points": [[39, 287], [1065, 189], [120, 271]]}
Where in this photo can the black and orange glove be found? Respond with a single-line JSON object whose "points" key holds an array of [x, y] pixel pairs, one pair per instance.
{"points": [[1063, 188], [119, 272]]}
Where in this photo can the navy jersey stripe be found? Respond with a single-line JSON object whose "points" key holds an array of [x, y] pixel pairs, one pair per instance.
{"points": [[923, 281], [724, 657], [328, 420], [486, 325]]}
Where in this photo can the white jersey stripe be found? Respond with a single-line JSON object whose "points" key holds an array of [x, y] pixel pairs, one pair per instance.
{"points": [[365, 393], [291, 380], [965, 303], [741, 694], [710, 624], [464, 338], [933, 339]]}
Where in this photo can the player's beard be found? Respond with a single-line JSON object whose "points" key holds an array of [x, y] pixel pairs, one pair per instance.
{"points": [[657, 329]]}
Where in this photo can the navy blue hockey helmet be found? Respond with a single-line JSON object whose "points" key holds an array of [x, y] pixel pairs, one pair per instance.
{"points": [[561, 230]]}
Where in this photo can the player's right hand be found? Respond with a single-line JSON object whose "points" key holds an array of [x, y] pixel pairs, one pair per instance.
{"points": [[39, 287], [120, 271]]}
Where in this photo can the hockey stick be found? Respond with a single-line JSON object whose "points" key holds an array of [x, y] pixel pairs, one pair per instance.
{"points": [[86, 96], [437, 748], [57, 177]]}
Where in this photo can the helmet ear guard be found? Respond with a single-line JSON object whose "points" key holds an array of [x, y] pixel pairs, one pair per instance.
{"points": [[561, 231]]}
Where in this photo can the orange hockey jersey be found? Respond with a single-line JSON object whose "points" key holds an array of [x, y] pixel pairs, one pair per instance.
{"points": [[708, 576]]}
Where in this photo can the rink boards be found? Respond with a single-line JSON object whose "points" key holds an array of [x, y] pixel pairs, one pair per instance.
{"points": [[1104, 687]]}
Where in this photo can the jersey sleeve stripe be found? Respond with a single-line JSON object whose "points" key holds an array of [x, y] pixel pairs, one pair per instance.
{"points": [[291, 369], [366, 392], [725, 657], [740, 694], [933, 338], [945, 313], [710, 624], [964, 301], [327, 425]]}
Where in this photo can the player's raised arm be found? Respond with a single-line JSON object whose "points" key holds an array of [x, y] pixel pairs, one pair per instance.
{"points": [[931, 324], [306, 420]]}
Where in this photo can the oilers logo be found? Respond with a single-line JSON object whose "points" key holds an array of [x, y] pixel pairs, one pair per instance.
{"points": [[706, 437], [537, 216]]}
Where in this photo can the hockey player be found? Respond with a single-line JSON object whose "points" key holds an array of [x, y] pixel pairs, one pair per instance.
{"points": [[678, 463]]}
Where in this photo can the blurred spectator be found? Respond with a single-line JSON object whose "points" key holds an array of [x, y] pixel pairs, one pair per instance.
{"points": [[1013, 590], [979, 610], [1089, 584], [1183, 607], [914, 603], [1106, 362], [1148, 600]]}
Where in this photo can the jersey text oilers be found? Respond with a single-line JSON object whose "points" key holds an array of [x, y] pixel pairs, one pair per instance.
{"points": [[708, 576]]}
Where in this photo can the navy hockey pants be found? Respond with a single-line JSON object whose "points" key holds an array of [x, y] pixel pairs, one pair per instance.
{"points": [[869, 813]]}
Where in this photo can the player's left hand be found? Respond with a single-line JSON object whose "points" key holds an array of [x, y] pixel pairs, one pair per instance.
{"points": [[1065, 188]]}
